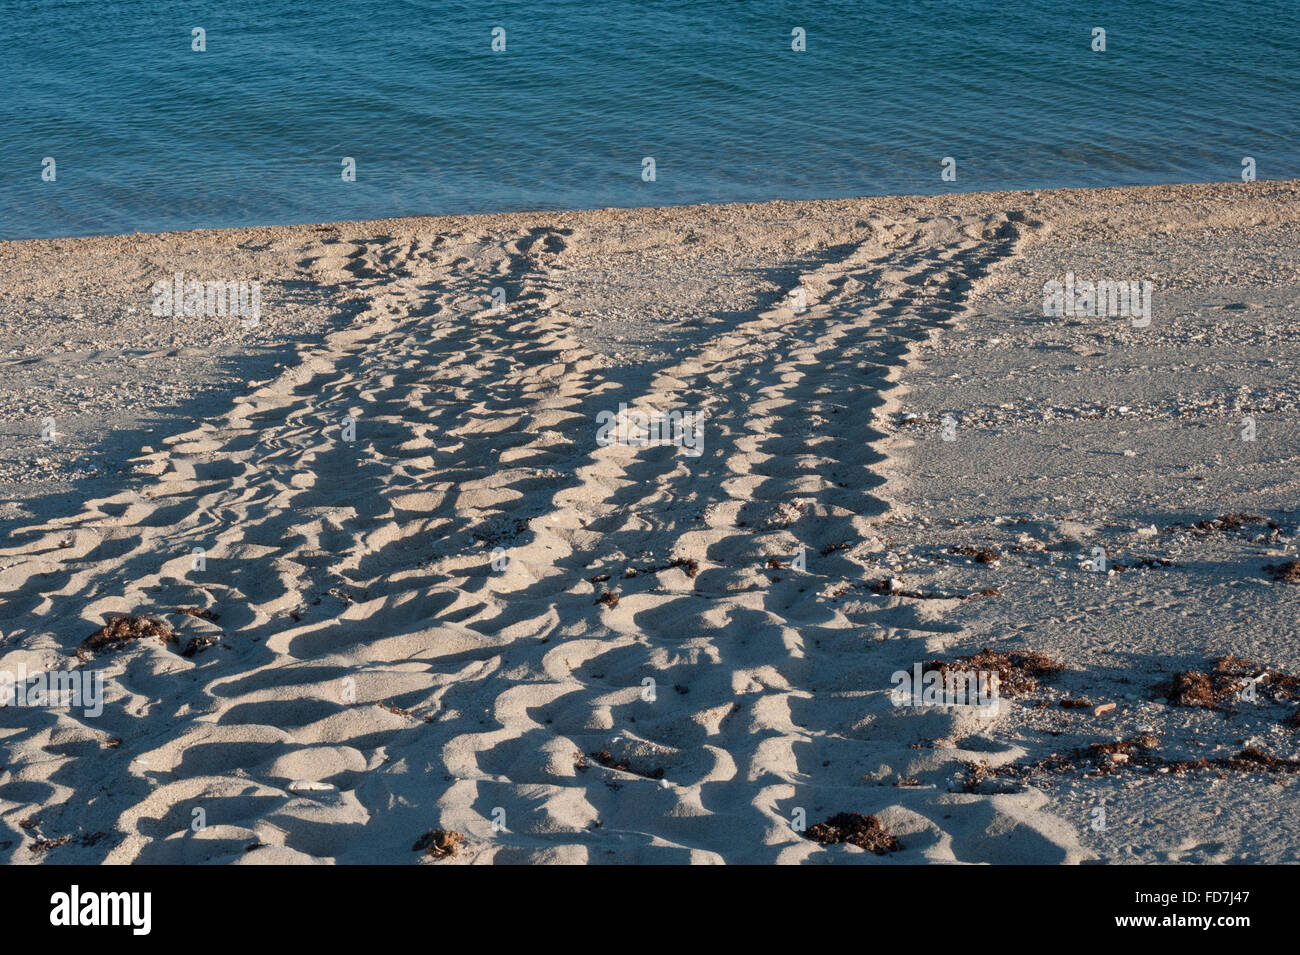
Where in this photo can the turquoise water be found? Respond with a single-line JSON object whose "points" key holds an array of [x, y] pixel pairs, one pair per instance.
{"points": [[149, 135]]}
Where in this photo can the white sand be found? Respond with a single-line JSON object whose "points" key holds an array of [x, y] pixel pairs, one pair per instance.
{"points": [[374, 675]]}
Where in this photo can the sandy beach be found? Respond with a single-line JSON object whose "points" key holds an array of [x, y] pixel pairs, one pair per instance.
{"points": [[387, 576]]}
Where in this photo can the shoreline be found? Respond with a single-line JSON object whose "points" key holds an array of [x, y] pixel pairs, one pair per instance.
{"points": [[533, 214]]}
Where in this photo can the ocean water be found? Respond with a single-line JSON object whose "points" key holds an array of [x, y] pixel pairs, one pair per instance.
{"points": [[148, 134]]}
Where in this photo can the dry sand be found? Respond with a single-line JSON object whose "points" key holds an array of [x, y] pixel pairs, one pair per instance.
{"points": [[641, 676]]}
